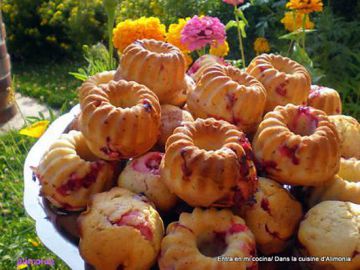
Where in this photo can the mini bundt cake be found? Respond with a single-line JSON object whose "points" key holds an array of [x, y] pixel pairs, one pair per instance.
{"points": [[273, 218], [350, 169], [331, 230], [69, 173], [338, 189], [95, 81], [158, 65], [171, 118], [227, 93], [349, 132], [285, 80], [120, 230], [297, 145], [120, 119], [200, 239], [202, 63], [209, 163], [325, 99], [142, 175]]}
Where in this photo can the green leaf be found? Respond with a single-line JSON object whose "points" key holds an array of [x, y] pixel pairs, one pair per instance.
{"points": [[300, 55], [242, 26], [230, 24], [245, 6], [294, 35], [241, 15], [79, 76]]}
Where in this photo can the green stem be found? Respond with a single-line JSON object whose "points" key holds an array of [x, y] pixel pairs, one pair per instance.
{"points": [[241, 47], [303, 28], [110, 36], [290, 48]]}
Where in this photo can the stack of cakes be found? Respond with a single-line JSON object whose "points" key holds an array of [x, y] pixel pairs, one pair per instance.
{"points": [[187, 146]]}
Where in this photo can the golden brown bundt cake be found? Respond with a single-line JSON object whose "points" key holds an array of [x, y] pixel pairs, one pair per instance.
{"points": [[337, 189], [120, 119], [331, 230], [350, 169], [227, 93], [325, 99], [69, 173], [209, 163], [142, 175], [200, 239], [273, 218], [202, 63], [297, 145], [95, 81], [158, 65], [120, 230], [285, 80], [171, 118], [349, 132]]}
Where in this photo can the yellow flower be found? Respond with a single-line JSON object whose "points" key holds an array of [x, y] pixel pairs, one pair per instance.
{"points": [[219, 50], [294, 21], [33, 242], [305, 6], [128, 31], [173, 35], [261, 45], [35, 130], [21, 266]]}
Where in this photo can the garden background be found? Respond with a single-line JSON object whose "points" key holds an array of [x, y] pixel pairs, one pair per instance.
{"points": [[49, 39]]}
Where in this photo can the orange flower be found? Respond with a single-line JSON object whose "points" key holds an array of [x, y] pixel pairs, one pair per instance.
{"points": [[294, 21], [305, 6]]}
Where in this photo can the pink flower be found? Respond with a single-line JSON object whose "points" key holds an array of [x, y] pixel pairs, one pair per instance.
{"points": [[234, 2], [201, 31]]}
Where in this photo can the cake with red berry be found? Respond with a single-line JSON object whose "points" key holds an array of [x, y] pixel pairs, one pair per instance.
{"points": [[273, 218], [297, 145], [325, 99], [224, 93], [69, 173], [142, 175], [209, 162], [285, 80], [120, 119], [200, 238], [120, 230]]}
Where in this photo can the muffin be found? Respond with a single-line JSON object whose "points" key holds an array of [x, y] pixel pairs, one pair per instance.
{"points": [[348, 129], [273, 218], [69, 173], [209, 163], [332, 229], [120, 230], [120, 119], [227, 93], [297, 145], [196, 243], [158, 65], [285, 80], [142, 175], [325, 99], [171, 118]]}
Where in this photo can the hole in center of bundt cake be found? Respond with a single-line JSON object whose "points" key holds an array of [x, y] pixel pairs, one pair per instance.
{"points": [[123, 100], [156, 48], [212, 244], [282, 67], [209, 140], [304, 123]]}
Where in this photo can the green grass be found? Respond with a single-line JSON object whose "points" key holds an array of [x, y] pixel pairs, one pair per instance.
{"points": [[49, 83], [17, 231]]}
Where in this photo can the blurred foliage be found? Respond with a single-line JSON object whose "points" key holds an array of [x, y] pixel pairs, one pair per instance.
{"points": [[52, 27]]}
